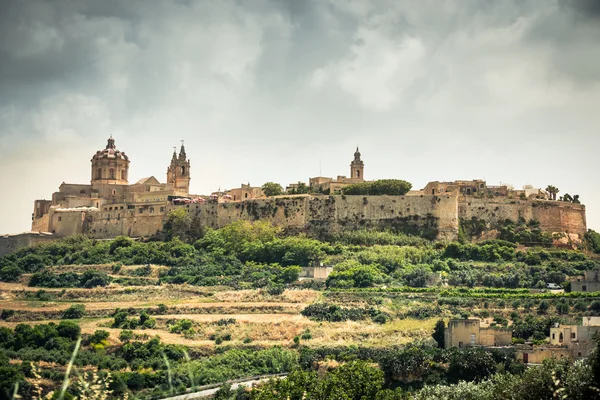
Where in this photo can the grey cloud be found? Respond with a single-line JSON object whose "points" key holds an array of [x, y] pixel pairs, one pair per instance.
{"points": [[263, 90]]}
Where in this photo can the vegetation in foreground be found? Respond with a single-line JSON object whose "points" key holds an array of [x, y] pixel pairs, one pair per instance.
{"points": [[379, 278]]}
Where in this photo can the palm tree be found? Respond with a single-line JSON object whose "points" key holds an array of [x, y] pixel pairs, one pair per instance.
{"points": [[552, 191]]}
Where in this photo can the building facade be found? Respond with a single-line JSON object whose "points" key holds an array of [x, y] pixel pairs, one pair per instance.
{"points": [[109, 196], [469, 333]]}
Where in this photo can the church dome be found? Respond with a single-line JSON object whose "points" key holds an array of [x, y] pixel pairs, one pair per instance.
{"points": [[110, 152]]}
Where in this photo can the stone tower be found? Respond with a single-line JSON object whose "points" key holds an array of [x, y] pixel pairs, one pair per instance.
{"points": [[178, 173], [110, 166], [357, 167]]}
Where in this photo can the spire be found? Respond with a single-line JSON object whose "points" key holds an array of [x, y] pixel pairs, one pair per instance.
{"points": [[182, 155], [111, 143], [174, 154], [357, 155]]}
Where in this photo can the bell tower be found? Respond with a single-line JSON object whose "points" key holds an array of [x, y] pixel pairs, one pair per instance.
{"points": [[357, 168], [178, 173]]}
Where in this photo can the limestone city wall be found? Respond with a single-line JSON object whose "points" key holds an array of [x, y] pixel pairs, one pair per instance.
{"points": [[553, 216], [327, 213], [12, 243]]}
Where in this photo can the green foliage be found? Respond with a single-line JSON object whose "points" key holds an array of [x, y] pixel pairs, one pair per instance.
{"points": [[122, 320], [522, 232], [271, 189], [180, 224], [89, 279], [592, 240], [75, 311], [438, 333], [335, 313], [355, 380], [392, 187]]}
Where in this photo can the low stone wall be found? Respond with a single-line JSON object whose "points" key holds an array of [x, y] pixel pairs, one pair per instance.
{"points": [[11, 243]]}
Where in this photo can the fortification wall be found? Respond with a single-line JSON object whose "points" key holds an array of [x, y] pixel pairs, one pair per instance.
{"points": [[41, 224], [556, 216], [332, 213], [437, 216], [12, 243], [553, 216]]}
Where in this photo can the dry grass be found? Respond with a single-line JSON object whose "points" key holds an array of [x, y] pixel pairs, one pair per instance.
{"points": [[289, 296]]}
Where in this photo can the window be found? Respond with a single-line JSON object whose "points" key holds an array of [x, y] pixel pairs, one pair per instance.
{"points": [[572, 335], [60, 218], [560, 337], [123, 174], [460, 345], [151, 210], [584, 288], [183, 171], [432, 191], [141, 210], [162, 209], [553, 336], [111, 173], [358, 173], [114, 192], [99, 173], [246, 196], [109, 208]]}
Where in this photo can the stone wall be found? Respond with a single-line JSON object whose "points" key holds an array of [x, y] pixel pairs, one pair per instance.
{"points": [[437, 216], [553, 216], [12, 243]]}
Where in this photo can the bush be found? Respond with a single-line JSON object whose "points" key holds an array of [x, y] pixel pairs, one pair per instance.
{"points": [[125, 336], [76, 311]]}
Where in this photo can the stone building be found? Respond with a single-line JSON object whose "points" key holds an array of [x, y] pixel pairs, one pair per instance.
{"points": [[572, 341], [109, 194], [589, 283], [469, 332], [330, 185]]}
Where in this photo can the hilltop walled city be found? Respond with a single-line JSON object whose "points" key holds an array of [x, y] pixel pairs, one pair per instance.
{"points": [[109, 206]]}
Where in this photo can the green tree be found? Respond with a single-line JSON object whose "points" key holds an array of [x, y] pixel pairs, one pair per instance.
{"points": [[438, 333], [552, 192], [179, 223], [271, 189], [300, 188], [470, 364], [76, 311], [392, 187]]}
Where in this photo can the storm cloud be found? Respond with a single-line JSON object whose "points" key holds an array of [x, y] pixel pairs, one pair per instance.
{"points": [[280, 90]]}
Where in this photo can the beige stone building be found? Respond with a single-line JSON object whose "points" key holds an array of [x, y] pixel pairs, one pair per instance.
{"points": [[572, 341], [109, 195], [469, 333], [330, 185], [589, 283]]}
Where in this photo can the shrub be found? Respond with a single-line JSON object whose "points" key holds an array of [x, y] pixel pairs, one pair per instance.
{"points": [[125, 336], [76, 311]]}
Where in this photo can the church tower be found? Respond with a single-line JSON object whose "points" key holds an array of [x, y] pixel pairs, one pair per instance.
{"points": [[178, 173], [357, 168]]}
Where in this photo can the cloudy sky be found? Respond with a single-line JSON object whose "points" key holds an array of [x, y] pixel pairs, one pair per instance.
{"points": [[507, 91]]}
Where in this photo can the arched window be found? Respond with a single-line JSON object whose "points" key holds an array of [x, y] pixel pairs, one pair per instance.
{"points": [[151, 210], [111, 173], [183, 171], [99, 173], [246, 195], [114, 192], [560, 337], [358, 173], [123, 174]]}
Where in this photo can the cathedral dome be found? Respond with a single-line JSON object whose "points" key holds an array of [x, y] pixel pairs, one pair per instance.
{"points": [[110, 152], [110, 165]]}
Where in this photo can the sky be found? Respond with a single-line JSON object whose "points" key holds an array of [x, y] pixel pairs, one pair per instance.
{"points": [[274, 90]]}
